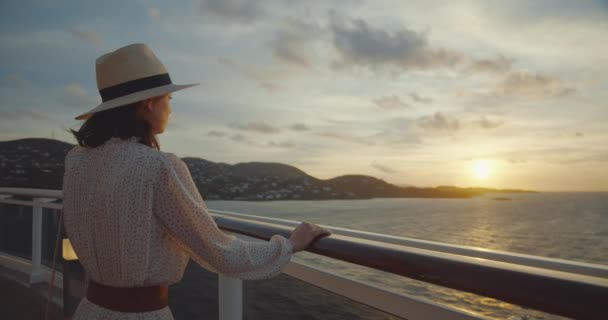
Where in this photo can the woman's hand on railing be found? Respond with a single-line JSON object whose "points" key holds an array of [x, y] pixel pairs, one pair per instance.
{"points": [[305, 234]]}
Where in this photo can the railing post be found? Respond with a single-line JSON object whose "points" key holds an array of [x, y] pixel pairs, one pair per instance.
{"points": [[36, 274], [230, 298]]}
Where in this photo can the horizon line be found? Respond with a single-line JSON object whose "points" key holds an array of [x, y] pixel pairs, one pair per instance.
{"points": [[395, 184]]}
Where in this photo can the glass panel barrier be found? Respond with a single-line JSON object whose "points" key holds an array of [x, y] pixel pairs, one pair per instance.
{"points": [[483, 306], [196, 295], [50, 226], [16, 230], [285, 297]]}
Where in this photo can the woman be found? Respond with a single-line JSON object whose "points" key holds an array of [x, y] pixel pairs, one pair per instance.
{"points": [[133, 214]]}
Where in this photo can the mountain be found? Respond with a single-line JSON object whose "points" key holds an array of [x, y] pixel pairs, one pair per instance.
{"points": [[39, 163], [32, 163]]}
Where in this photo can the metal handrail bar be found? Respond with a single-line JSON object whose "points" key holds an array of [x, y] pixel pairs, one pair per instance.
{"points": [[35, 193], [58, 206], [585, 268], [561, 293]]}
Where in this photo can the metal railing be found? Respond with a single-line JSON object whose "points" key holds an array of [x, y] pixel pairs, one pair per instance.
{"points": [[555, 286]]}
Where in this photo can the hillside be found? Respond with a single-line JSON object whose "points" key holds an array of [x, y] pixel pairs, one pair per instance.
{"points": [[39, 163]]}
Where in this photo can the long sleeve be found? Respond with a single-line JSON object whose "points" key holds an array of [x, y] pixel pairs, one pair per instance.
{"points": [[180, 208]]}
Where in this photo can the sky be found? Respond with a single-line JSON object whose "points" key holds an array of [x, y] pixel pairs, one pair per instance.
{"points": [[503, 94]]}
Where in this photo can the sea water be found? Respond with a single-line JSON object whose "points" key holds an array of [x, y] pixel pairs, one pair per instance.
{"points": [[571, 226]]}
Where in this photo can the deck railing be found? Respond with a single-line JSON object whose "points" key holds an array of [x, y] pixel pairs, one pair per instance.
{"points": [[560, 287]]}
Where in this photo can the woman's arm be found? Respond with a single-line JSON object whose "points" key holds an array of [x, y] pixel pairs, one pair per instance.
{"points": [[180, 208]]}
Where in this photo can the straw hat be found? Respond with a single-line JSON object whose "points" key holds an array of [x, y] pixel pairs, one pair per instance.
{"points": [[130, 74]]}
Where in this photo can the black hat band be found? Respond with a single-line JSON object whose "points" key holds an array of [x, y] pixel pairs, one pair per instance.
{"points": [[133, 86]]}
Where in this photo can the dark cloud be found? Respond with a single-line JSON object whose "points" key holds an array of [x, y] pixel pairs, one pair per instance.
{"points": [[390, 103], [487, 124], [383, 168], [260, 127], [89, 37], [525, 84], [439, 122], [420, 99], [360, 44], [232, 11], [299, 127]]}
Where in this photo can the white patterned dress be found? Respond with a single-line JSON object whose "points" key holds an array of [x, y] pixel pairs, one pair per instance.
{"points": [[135, 217]]}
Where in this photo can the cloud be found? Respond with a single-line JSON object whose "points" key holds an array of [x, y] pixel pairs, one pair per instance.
{"points": [[284, 144], [74, 95], [500, 65], [89, 37], [487, 124], [153, 12], [359, 44], [591, 157], [24, 114], [238, 137], [242, 139], [439, 122], [390, 103], [553, 155], [14, 81], [525, 84], [214, 133], [299, 127], [292, 42], [260, 127], [232, 11], [260, 77], [362, 45], [420, 99], [383, 168], [9, 135], [347, 138]]}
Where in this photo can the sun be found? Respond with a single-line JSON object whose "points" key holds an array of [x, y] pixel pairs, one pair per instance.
{"points": [[482, 169]]}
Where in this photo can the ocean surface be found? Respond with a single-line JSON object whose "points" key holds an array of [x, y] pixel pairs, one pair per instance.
{"points": [[571, 226]]}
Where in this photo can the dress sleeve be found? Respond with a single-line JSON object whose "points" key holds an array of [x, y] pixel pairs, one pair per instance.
{"points": [[180, 208]]}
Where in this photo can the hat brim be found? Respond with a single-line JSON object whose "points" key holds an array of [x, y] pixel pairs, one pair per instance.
{"points": [[134, 97]]}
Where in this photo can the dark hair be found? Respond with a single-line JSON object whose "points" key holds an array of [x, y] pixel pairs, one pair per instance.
{"points": [[122, 122]]}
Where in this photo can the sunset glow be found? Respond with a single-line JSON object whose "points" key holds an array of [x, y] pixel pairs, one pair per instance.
{"points": [[403, 91], [482, 169]]}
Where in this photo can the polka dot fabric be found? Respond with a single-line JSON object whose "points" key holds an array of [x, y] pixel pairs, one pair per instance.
{"points": [[135, 217]]}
